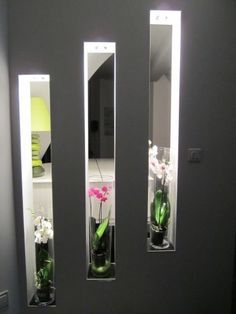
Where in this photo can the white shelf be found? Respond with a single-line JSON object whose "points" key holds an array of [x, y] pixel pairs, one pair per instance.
{"points": [[47, 177], [106, 167]]}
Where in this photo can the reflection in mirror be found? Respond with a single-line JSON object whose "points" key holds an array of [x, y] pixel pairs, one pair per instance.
{"points": [[99, 95], [101, 108], [163, 129], [37, 202], [160, 84]]}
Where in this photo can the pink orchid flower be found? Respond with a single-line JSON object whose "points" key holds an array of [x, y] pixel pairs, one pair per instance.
{"points": [[100, 194], [90, 192], [95, 191], [103, 199], [105, 188]]}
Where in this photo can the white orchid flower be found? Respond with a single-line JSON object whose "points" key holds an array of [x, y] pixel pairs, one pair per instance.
{"points": [[153, 151], [43, 230], [37, 221], [50, 233], [44, 239], [161, 168], [46, 224], [38, 236]]}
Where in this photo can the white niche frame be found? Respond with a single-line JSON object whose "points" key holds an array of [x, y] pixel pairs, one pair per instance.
{"points": [[96, 47], [172, 18], [27, 181]]}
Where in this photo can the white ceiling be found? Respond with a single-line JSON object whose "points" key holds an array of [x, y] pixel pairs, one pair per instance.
{"points": [[95, 60]]}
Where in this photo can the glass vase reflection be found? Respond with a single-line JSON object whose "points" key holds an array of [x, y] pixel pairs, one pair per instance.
{"points": [[44, 275], [100, 246], [100, 232], [160, 209]]}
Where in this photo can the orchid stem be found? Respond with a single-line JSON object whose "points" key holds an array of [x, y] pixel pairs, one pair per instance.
{"points": [[100, 213]]}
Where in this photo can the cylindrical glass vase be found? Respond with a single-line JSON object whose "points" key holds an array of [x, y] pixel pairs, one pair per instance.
{"points": [[160, 175], [101, 198], [44, 276], [101, 254]]}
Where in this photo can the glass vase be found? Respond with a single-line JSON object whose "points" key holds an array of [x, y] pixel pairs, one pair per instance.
{"points": [[159, 203], [44, 276], [100, 251], [100, 229]]}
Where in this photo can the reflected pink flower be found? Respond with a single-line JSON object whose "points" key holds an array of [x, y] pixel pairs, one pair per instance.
{"points": [[104, 188], [96, 191], [103, 199], [99, 195], [90, 192], [93, 191]]}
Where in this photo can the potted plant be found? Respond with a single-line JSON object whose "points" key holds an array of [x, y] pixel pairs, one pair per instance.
{"points": [[161, 172], [44, 262], [100, 231]]}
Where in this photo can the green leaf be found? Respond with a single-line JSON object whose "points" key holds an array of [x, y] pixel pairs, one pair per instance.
{"points": [[102, 227], [165, 214], [49, 269], [152, 209], [44, 276], [99, 233], [95, 242], [157, 204]]}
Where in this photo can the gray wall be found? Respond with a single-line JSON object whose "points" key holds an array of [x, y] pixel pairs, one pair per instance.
{"points": [[47, 37], [8, 257]]}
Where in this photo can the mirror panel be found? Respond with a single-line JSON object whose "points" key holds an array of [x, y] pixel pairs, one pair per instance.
{"points": [[99, 96], [36, 178], [163, 129]]}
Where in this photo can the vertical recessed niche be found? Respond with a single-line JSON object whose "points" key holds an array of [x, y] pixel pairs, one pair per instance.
{"points": [[163, 129], [100, 110], [36, 180]]}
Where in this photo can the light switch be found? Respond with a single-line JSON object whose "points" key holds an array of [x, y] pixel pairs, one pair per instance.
{"points": [[3, 300], [194, 154]]}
